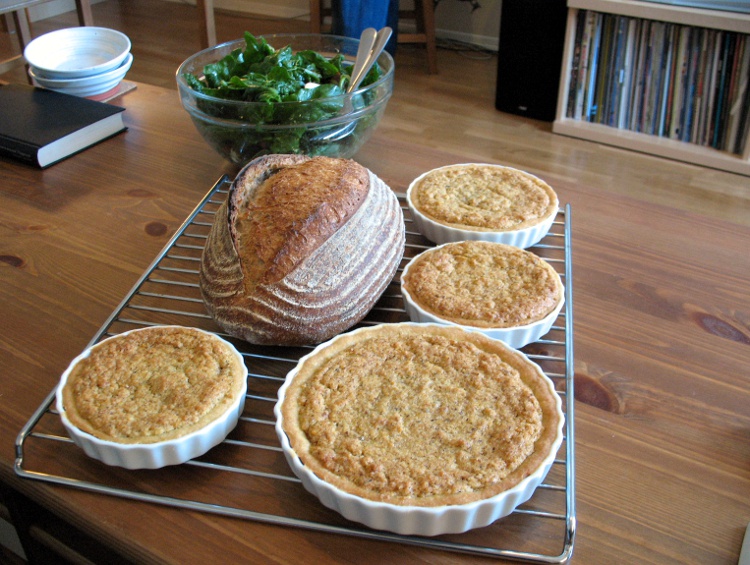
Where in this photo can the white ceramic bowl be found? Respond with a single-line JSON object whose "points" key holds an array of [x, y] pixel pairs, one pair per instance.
{"points": [[443, 233], [77, 52], [415, 520], [516, 336], [158, 454], [85, 86]]}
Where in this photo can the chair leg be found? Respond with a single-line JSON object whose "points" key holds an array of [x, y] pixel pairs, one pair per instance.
{"points": [[316, 17], [208, 22], [423, 15], [427, 18], [20, 22], [85, 17], [23, 30]]}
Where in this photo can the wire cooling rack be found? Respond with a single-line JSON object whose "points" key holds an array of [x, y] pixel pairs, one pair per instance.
{"points": [[246, 476]]}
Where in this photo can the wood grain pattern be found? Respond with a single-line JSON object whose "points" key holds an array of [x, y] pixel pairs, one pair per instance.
{"points": [[452, 110], [661, 315]]}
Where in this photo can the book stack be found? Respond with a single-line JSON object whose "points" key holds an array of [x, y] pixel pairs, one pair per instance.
{"points": [[664, 79]]}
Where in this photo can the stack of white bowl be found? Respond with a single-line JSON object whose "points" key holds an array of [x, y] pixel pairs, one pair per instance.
{"points": [[84, 61]]}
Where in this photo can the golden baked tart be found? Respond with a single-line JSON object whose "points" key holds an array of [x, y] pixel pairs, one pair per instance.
{"points": [[153, 396], [393, 424], [482, 202], [508, 293]]}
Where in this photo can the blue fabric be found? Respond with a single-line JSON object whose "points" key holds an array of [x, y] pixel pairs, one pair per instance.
{"points": [[350, 17]]}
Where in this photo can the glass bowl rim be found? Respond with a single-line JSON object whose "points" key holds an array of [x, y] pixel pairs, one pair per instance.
{"points": [[184, 87]]}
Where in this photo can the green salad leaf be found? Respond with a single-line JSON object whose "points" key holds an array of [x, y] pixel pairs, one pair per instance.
{"points": [[272, 77]]}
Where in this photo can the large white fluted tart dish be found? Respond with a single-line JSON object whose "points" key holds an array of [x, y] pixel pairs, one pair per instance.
{"points": [[419, 429]]}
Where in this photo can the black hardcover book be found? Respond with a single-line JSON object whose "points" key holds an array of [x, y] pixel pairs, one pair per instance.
{"points": [[42, 127]]}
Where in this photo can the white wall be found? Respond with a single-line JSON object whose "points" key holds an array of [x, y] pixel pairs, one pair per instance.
{"points": [[455, 20]]}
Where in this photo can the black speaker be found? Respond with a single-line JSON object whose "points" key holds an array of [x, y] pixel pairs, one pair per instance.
{"points": [[529, 59]]}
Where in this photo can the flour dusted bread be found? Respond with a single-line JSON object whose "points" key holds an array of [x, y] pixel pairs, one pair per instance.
{"points": [[300, 250]]}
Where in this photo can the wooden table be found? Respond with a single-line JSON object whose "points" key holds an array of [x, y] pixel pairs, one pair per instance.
{"points": [[662, 350]]}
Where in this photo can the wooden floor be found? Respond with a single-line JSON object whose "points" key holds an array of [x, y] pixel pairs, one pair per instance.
{"points": [[453, 110]]}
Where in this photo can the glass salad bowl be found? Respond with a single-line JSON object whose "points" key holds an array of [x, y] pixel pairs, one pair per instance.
{"points": [[283, 93]]}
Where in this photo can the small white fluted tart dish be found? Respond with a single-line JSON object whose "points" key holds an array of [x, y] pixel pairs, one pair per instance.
{"points": [[477, 201], [419, 429], [505, 292], [152, 397]]}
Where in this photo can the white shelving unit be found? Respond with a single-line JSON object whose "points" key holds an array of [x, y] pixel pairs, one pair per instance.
{"points": [[655, 145]]}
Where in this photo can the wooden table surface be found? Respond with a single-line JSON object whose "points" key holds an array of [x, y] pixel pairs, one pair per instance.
{"points": [[662, 350]]}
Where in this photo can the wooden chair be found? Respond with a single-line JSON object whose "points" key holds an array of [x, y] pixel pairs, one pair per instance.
{"points": [[16, 18], [207, 22], [423, 15]]}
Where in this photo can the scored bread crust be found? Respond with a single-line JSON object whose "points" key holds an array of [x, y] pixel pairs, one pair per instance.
{"points": [[300, 250]]}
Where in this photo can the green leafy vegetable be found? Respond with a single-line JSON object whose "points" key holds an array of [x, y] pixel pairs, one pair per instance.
{"points": [[270, 78]]}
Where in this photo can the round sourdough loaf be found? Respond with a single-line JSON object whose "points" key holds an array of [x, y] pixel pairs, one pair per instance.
{"points": [[300, 250]]}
